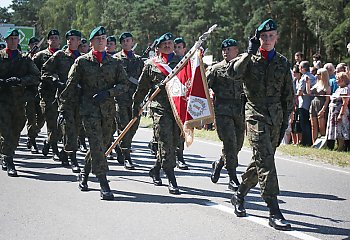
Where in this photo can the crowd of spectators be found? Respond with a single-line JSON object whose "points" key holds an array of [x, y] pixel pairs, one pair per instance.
{"points": [[321, 113]]}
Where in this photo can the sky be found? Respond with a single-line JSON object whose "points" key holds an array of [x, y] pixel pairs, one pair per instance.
{"points": [[5, 3]]}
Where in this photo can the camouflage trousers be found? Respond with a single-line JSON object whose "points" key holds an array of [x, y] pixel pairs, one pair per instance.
{"points": [[34, 115], [50, 113], [99, 131], [167, 134], [70, 130], [12, 121], [124, 115], [264, 140], [231, 132]]}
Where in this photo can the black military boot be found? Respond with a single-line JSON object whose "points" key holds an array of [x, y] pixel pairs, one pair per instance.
{"points": [[55, 152], [33, 146], [11, 170], [233, 184], [216, 169], [180, 163], [276, 219], [153, 146], [106, 193], [127, 159], [82, 145], [173, 188], [74, 163], [46, 148], [3, 163], [83, 178], [63, 157], [120, 156], [237, 200], [154, 173], [28, 143]]}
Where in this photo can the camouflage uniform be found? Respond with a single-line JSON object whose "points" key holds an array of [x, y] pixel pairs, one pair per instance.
{"points": [[47, 94], [98, 119], [269, 91], [166, 129], [133, 66], [59, 64], [228, 112], [12, 99]]}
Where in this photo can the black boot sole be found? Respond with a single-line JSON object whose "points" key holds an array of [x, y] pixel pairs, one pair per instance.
{"points": [[13, 174], [83, 188], [213, 176], [75, 170]]}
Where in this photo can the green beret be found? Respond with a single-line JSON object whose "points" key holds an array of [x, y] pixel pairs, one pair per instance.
{"points": [[97, 32], [53, 32], [268, 25], [165, 37], [124, 35], [83, 40], [229, 43], [11, 32], [179, 40], [111, 39], [33, 40], [73, 32]]}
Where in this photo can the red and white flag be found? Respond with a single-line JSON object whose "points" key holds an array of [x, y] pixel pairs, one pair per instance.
{"points": [[189, 96]]}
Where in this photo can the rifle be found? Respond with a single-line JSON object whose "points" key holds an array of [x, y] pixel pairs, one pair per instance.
{"points": [[173, 73], [36, 47], [148, 49]]}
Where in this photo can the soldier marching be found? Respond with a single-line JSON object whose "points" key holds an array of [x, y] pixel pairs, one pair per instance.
{"points": [[103, 89]]}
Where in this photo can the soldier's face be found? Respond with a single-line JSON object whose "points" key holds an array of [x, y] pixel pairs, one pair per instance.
{"points": [[73, 42], [12, 42], [32, 45], [268, 40], [229, 53], [166, 47], [54, 41], [111, 46], [99, 43], [179, 49], [127, 43], [84, 48]]}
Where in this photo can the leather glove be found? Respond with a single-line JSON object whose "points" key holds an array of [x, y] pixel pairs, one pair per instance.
{"points": [[254, 43], [100, 97], [12, 81], [135, 110], [60, 118]]}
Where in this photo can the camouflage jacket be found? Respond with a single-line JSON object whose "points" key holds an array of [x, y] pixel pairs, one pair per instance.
{"points": [[268, 87], [22, 67], [149, 79], [227, 89], [133, 67], [39, 59], [58, 65], [88, 77]]}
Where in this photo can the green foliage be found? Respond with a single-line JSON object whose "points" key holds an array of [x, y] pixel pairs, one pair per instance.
{"points": [[310, 26]]}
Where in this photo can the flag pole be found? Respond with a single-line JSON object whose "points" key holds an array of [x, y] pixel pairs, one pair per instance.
{"points": [[173, 73]]}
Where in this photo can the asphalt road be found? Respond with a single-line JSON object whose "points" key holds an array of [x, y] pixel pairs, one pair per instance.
{"points": [[44, 202]]}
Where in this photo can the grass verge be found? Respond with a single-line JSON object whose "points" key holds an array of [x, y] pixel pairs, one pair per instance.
{"points": [[341, 159]]}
